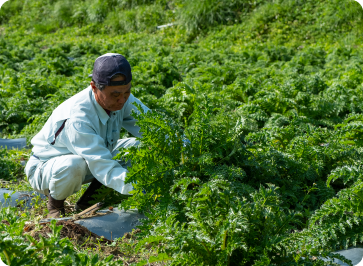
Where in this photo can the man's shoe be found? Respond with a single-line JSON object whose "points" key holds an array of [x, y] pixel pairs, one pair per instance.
{"points": [[83, 202], [55, 207]]}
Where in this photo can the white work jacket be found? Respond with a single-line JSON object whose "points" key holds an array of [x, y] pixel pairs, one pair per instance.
{"points": [[90, 133]]}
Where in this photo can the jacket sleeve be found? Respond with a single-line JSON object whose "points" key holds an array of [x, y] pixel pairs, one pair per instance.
{"points": [[83, 140], [129, 122]]}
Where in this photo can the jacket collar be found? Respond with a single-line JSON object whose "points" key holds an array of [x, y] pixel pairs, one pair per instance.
{"points": [[102, 115]]}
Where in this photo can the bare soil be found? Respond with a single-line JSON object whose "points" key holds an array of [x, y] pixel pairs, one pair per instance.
{"points": [[86, 240]]}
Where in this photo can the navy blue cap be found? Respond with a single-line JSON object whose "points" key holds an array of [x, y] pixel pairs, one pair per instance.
{"points": [[107, 65]]}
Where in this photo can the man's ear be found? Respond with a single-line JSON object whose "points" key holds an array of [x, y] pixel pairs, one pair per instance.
{"points": [[94, 88]]}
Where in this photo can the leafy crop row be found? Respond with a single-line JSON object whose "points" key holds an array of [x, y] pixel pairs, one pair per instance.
{"points": [[253, 152], [260, 197]]}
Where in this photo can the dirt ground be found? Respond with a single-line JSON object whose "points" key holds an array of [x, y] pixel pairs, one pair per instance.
{"points": [[86, 240]]}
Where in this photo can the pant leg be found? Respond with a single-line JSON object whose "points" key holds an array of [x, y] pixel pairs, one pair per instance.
{"points": [[31, 170], [64, 175], [60, 176], [124, 143]]}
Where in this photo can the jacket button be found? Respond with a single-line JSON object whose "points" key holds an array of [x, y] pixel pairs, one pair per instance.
{"points": [[111, 139]]}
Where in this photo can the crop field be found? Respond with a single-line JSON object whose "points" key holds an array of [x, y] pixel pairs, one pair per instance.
{"points": [[268, 93]]}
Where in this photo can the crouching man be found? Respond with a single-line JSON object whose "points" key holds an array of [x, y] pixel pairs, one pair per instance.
{"points": [[77, 143]]}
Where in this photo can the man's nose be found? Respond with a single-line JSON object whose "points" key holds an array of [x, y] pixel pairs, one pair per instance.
{"points": [[123, 99]]}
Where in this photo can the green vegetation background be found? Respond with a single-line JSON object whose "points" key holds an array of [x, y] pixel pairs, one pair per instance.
{"points": [[268, 92]]}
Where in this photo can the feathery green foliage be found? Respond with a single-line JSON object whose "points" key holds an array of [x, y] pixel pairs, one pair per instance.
{"points": [[252, 154]]}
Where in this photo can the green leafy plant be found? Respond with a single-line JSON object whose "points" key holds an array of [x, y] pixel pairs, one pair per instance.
{"points": [[254, 146]]}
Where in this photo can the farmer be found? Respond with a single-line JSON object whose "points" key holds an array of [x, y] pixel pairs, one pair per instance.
{"points": [[77, 143]]}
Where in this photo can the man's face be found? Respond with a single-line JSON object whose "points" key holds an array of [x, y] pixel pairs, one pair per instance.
{"points": [[112, 98]]}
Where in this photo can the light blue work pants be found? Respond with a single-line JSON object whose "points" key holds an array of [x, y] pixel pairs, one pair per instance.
{"points": [[64, 175]]}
